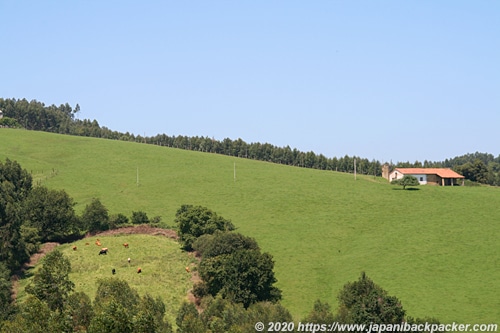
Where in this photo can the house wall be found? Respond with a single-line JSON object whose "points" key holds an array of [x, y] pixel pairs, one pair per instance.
{"points": [[433, 180], [395, 175], [422, 179]]}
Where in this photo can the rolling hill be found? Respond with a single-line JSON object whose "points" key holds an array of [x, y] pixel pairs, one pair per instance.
{"points": [[435, 248]]}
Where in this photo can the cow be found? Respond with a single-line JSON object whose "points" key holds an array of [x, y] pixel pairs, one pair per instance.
{"points": [[74, 248], [98, 243], [87, 244], [113, 271], [104, 250], [187, 269], [128, 260], [125, 245], [139, 270]]}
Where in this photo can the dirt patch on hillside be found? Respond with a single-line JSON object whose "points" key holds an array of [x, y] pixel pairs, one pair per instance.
{"points": [[195, 278], [140, 229], [34, 259]]}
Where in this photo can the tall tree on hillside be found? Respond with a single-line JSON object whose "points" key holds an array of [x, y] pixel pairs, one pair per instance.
{"points": [[51, 213], [244, 276], [15, 185], [194, 221], [95, 216], [51, 284], [5, 296], [476, 171], [364, 302]]}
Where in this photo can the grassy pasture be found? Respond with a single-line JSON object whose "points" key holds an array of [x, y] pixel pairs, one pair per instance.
{"points": [[162, 263], [435, 248]]}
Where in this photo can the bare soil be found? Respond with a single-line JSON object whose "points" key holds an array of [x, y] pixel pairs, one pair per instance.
{"points": [[140, 229], [34, 259]]}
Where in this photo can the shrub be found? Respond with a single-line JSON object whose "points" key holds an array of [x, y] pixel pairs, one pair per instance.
{"points": [[139, 217]]}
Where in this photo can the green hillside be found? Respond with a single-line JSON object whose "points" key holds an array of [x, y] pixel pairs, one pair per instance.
{"points": [[162, 264], [435, 248]]}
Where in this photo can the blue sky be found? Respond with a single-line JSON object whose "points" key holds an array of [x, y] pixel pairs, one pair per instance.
{"points": [[384, 80]]}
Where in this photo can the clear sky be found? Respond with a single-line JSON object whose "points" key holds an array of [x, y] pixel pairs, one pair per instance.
{"points": [[385, 80]]}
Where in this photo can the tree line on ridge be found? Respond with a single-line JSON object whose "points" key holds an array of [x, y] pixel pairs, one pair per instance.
{"points": [[34, 115]]}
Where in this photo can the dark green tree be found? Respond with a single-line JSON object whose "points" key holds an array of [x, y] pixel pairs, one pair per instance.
{"points": [[320, 314], [407, 180], [115, 306], [267, 312], [5, 294], [33, 316], [244, 276], [195, 221], [188, 321], [117, 220], [221, 315], [364, 302], [139, 217], [95, 216], [79, 308], [112, 317], [51, 283], [15, 185], [476, 171], [150, 316], [51, 212], [117, 289], [223, 242], [9, 122], [118, 308]]}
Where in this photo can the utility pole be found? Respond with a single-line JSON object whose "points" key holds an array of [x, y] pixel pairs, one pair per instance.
{"points": [[354, 168]]}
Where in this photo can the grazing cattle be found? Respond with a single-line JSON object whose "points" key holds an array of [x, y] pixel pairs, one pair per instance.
{"points": [[74, 248], [125, 245], [139, 270], [113, 271], [104, 250], [187, 269], [128, 260], [87, 244], [98, 243]]}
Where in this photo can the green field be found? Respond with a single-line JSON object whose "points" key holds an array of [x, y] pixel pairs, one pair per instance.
{"points": [[436, 249]]}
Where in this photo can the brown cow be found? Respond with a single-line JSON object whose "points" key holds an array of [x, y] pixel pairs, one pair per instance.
{"points": [[125, 245], [74, 248], [187, 269], [139, 270], [98, 243]]}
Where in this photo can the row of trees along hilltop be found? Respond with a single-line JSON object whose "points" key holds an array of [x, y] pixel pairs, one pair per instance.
{"points": [[33, 115]]}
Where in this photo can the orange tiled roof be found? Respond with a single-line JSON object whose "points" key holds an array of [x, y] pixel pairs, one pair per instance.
{"points": [[441, 172]]}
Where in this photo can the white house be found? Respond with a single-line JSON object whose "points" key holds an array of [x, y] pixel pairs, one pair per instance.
{"points": [[431, 176]]}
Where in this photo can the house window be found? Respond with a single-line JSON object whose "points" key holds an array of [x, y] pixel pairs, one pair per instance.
{"points": [[421, 179]]}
